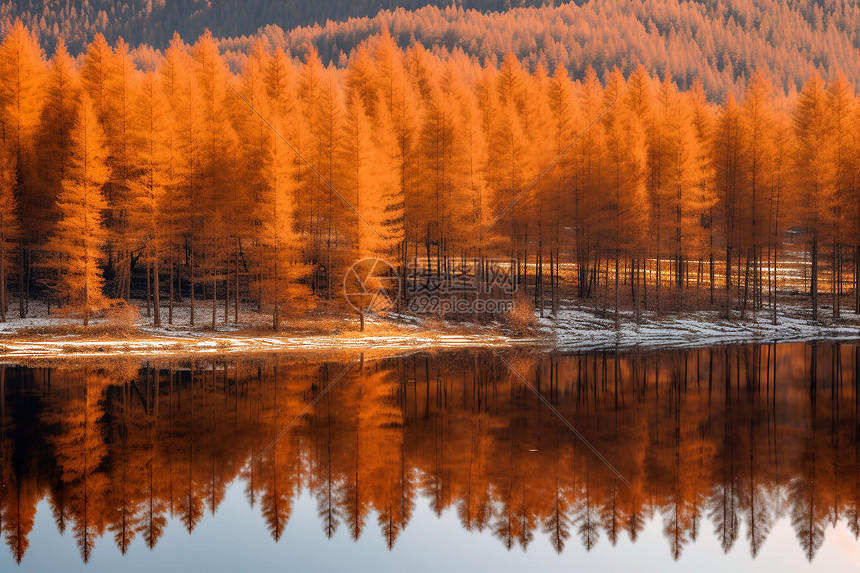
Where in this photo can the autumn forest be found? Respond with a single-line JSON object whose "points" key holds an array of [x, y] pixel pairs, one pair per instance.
{"points": [[455, 285], [259, 181]]}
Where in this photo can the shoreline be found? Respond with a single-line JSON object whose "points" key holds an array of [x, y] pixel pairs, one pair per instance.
{"points": [[574, 329], [586, 329], [221, 344]]}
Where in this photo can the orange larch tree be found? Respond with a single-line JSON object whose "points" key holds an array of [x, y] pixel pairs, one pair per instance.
{"points": [[9, 228], [149, 183], [22, 72], [76, 247]]}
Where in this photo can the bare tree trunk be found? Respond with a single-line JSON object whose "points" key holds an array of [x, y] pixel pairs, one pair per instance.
{"points": [[22, 286], [2, 280], [775, 283], [236, 307], [557, 304], [712, 276], [148, 291], [617, 318], [857, 279], [728, 281], [155, 289], [552, 277], [699, 275], [813, 285], [644, 282], [659, 281], [747, 284], [191, 280], [214, 291], [836, 282], [170, 304]]}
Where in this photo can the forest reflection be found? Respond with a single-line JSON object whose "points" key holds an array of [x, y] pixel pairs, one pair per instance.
{"points": [[722, 441]]}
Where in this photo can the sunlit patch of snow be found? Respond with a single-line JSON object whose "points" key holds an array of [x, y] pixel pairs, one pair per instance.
{"points": [[588, 329], [573, 329], [165, 346]]}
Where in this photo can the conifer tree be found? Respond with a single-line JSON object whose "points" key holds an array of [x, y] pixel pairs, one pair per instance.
{"points": [[758, 150], [53, 134], [267, 116], [726, 158], [324, 211], [701, 119], [845, 182], [810, 126], [217, 161], [179, 162], [150, 182], [122, 97], [560, 100], [21, 75], [9, 228], [77, 243]]}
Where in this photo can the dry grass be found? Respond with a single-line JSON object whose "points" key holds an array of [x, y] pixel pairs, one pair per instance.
{"points": [[521, 320]]}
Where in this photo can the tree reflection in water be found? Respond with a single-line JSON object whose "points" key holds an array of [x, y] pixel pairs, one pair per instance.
{"points": [[728, 438]]}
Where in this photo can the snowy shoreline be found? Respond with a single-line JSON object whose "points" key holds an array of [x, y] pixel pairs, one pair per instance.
{"points": [[574, 329], [585, 329]]}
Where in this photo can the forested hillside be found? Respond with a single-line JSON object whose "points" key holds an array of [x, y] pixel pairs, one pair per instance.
{"points": [[721, 42], [155, 21]]}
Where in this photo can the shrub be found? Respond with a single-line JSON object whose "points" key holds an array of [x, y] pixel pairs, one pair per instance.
{"points": [[121, 316], [521, 319]]}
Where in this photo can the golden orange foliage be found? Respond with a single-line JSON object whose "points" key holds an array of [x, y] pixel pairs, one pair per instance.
{"points": [[260, 177]]}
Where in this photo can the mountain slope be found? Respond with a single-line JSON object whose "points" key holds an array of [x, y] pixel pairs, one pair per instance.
{"points": [[722, 42], [154, 21]]}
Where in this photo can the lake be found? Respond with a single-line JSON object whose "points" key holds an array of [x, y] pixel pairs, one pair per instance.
{"points": [[731, 457]]}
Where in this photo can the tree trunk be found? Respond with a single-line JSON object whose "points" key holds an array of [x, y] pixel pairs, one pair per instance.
{"points": [[813, 285], [236, 307], [728, 281], [775, 283], [214, 293], [552, 278], [227, 290], [148, 291], [155, 288], [22, 286], [170, 294], [617, 319], [2, 280], [191, 280], [747, 285], [836, 280], [857, 279], [712, 275]]}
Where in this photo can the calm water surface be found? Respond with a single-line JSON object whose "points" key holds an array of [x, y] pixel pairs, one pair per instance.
{"points": [[743, 457]]}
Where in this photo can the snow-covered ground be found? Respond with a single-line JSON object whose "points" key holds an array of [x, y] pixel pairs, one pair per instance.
{"points": [[574, 329], [328, 333], [587, 329], [174, 346]]}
